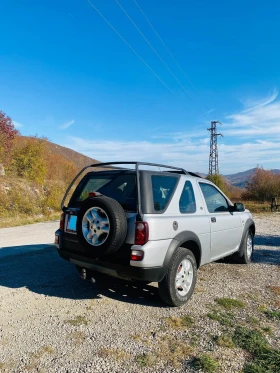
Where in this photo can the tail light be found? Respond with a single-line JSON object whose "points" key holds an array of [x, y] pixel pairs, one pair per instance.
{"points": [[62, 221], [141, 233]]}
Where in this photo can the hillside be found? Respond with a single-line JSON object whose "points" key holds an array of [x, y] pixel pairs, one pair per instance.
{"points": [[79, 160], [240, 179]]}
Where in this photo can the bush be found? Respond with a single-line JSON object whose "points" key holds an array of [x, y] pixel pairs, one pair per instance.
{"points": [[28, 161]]}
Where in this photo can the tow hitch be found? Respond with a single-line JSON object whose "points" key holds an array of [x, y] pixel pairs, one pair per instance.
{"points": [[87, 276]]}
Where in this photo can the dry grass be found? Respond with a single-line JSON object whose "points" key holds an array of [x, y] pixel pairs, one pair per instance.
{"points": [[77, 337], [35, 357], [113, 353], [165, 349], [179, 322], [275, 289], [77, 321]]}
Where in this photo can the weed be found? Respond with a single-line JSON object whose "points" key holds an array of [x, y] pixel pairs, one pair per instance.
{"points": [[2, 365], [179, 322], [224, 341], [223, 318], [44, 350], [266, 359], [206, 363], [263, 308], [78, 320], [77, 337], [253, 320], [272, 314], [229, 303], [144, 360], [267, 330], [115, 354], [275, 289], [250, 340]]}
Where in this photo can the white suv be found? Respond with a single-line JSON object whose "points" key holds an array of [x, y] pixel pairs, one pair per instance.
{"points": [[161, 225]]}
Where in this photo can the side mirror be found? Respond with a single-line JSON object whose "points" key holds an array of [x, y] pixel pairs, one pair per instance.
{"points": [[237, 207]]}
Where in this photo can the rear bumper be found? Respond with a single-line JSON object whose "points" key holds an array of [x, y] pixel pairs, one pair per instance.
{"points": [[151, 274]]}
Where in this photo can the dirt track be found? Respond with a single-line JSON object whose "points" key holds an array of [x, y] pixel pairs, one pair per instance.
{"points": [[51, 321]]}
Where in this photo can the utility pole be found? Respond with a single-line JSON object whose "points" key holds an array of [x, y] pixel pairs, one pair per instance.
{"points": [[213, 157]]}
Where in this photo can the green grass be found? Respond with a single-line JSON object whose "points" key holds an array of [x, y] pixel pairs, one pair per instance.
{"points": [[225, 319], [265, 359], [224, 341], [270, 314], [206, 363], [144, 360], [229, 303]]}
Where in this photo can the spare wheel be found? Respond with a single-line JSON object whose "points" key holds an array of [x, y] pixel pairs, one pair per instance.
{"points": [[101, 225]]}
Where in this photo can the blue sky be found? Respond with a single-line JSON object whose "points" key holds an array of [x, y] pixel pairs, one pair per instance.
{"points": [[67, 75]]}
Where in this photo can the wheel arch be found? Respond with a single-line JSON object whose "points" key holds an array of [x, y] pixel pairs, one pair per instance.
{"points": [[186, 239], [249, 226]]}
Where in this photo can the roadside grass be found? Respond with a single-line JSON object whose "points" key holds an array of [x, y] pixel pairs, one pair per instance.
{"points": [[265, 359], [166, 349], [113, 353], [78, 320], [229, 303], [185, 321], [33, 365], [272, 314], [275, 289], [206, 363], [77, 337], [14, 220], [224, 340], [223, 318]]}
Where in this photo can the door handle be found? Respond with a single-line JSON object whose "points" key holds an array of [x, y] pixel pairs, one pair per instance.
{"points": [[213, 220]]}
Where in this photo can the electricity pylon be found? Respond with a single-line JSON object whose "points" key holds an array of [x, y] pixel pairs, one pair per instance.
{"points": [[213, 157]]}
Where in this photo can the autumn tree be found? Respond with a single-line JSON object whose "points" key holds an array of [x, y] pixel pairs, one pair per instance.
{"points": [[28, 160], [219, 181], [262, 186], [7, 135]]}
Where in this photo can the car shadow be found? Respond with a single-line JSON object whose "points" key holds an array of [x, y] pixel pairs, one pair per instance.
{"points": [[261, 255], [44, 272]]}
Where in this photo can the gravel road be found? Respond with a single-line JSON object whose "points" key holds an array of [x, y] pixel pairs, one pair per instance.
{"points": [[51, 321]]}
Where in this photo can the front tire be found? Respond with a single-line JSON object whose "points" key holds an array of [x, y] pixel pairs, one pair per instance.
{"points": [[178, 284], [247, 249]]}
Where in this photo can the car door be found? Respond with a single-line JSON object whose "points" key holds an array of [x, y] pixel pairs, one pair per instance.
{"points": [[225, 226]]}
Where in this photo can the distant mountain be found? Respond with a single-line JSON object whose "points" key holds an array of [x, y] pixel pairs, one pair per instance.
{"points": [[241, 178]]}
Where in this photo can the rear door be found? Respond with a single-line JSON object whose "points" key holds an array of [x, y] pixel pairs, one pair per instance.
{"points": [[225, 226]]}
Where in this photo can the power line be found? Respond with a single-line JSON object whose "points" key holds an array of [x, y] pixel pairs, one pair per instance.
{"points": [[182, 71], [147, 41], [130, 47]]}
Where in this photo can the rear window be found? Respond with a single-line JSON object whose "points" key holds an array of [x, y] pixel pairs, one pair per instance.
{"points": [[121, 187], [163, 188]]}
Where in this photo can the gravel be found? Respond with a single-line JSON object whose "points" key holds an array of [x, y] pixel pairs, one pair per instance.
{"points": [[51, 321]]}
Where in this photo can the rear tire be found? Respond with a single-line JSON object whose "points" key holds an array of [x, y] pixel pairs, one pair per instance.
{"points": [[178, 284]]}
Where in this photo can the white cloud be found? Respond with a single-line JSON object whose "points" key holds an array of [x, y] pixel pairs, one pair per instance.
{"points": [[66, 125], [254, 104], [17, 124], [252, 138]]}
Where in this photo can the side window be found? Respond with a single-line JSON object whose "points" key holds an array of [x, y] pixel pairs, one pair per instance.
{"points": [[215, 201], [187, 203], [163, 188]]}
